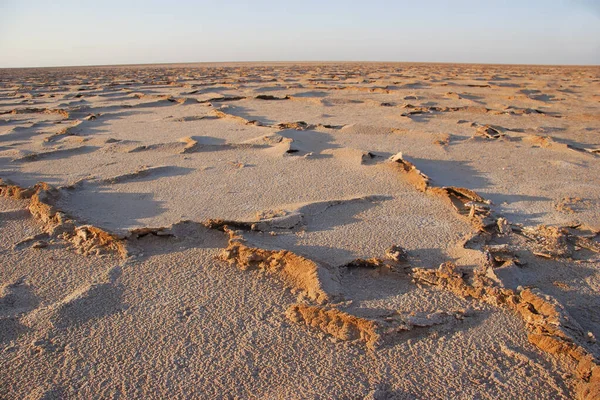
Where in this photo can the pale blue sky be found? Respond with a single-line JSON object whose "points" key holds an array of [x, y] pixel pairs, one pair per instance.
{"points": [[84, 32]]}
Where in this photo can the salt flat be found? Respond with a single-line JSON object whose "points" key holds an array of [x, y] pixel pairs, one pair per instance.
{"points": [[277, 230]]}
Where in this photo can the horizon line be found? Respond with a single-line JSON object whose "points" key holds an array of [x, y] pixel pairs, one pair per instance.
{"points": [[296, 62]]}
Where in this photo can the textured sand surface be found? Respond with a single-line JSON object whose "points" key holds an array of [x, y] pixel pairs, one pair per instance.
{"points": [[380, 231]]}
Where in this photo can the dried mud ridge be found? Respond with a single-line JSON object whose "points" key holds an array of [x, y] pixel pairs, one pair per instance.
{"points": [[549, 326], [374, 333], [296, 271], [286, 219], [465, 202], [189, 145], [36, 110], [85, 239], [222, 113]]}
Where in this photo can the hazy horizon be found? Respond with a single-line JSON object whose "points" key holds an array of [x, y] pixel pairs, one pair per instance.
{"points": [[71, 33]]}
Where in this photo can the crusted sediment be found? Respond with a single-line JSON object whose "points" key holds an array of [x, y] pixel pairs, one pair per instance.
{"points": [[270, 97], [413, 175], [341, 325], [298, 272], [372, 332], [286, 219], [224, 225], [488, 132], [86, 239], [8, 189], [371, 263], [464, 201], [297, 125], [294, 125], [33, 110], [548, 324], [222, 99], [556, 242], [220, 113]]}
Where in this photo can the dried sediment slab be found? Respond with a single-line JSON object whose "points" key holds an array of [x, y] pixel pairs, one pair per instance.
{"points": [[414, 176], [554, 242], [288, 217], [290, 142], [488, 132], [464, 201], [372, 332], [549, 325], [36, 110], [316, 281], [193, 298], [86, 239], [187, 145], [336, 323], [208, 192]]}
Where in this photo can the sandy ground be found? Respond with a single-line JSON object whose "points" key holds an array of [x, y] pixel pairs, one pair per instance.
{"points": [[276, 231]]}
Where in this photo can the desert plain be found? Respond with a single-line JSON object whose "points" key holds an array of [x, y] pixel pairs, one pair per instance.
{"points": [[300, 231]]}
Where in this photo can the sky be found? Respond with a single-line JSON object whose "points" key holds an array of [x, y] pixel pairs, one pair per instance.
{"points": [[38, 33]]}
